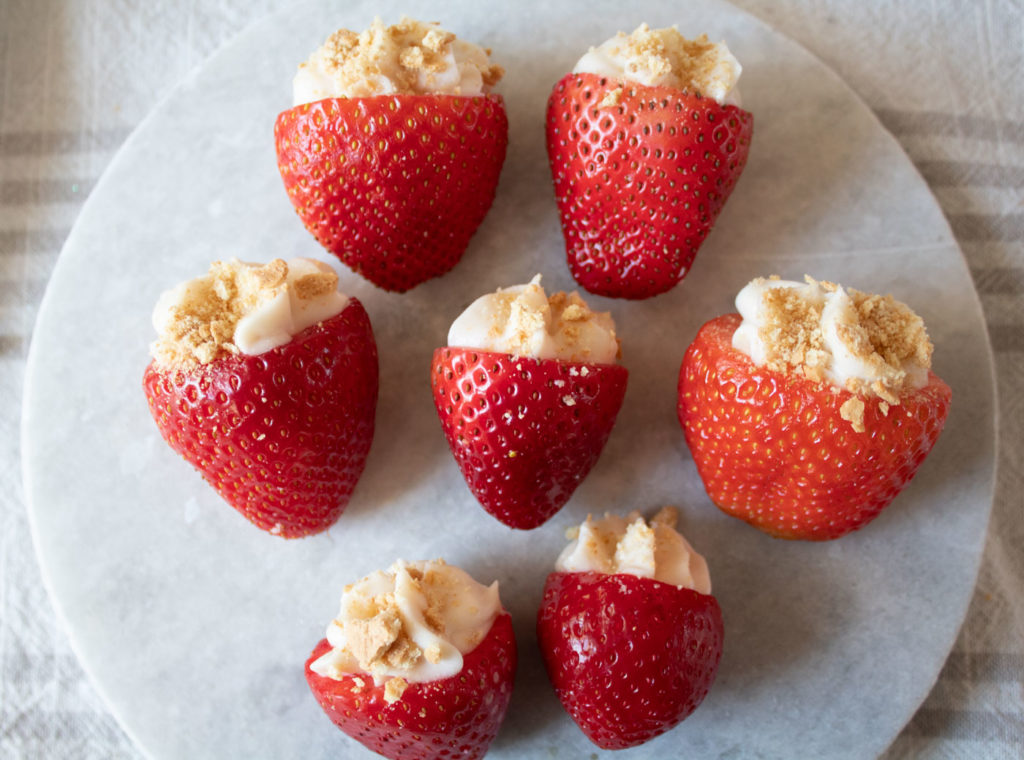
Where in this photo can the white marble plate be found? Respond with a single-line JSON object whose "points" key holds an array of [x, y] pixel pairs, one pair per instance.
{"points": [[195, 625]]}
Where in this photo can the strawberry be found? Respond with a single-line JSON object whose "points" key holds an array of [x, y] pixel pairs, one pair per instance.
{"points": [[394, 185], [640, 173], [524, 432], [775, 450], [282, 436], [456, 717], [629, 657]]}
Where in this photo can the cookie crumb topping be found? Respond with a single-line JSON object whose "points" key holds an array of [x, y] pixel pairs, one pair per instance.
{"points": [[630, 545], [394, 689], [241, 308], [852, 411], [409, 624], [611, 99], [664, 57], [524, 321], [873, 346], [410, 57]]}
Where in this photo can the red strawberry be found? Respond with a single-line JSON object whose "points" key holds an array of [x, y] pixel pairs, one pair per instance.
{"points": [[283, 436], [629, 657], [774, 449], [524, 432], [394, 185], [640, 178], [456, 717]]}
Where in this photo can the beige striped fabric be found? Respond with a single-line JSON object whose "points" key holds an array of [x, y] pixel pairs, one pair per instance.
{"points": [[943, 77]]}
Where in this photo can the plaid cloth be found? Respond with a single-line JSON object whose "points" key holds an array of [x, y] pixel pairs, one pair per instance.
{"points": [[943, 77]]}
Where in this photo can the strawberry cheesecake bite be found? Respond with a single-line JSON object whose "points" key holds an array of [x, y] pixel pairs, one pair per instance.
{"points": [[418, 664], [264, 378], [811, 409], [527, 392], [392, 151], [646, 141], [630, 634]]}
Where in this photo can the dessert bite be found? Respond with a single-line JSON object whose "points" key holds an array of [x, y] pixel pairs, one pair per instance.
{"points": [[527, 392], [264, 378], [419, 663], [392, 150], [646, 141], [630, 634], [811, 409]]}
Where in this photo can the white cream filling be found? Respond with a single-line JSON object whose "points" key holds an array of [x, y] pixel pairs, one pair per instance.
{"points": [[837, 310], [715, 73], [274, 315], [462, 609], [460, 70], [521, 320], [630, 545]]}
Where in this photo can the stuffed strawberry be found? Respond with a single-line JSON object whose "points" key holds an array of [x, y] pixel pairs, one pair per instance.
{"points": [[392, 152], [264, 379], [630, 634], [809, 411], [527, 392], [419, 663], [645, 145]]}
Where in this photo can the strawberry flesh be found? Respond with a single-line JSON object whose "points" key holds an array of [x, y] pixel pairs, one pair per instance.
{"points": [[629, 657], [394, 185], [282, 436], [456, 717], [639, 181], [774, 450], [524, 432]]}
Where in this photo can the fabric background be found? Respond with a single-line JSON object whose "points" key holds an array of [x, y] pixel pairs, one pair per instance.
{"points": [[943, 77]]}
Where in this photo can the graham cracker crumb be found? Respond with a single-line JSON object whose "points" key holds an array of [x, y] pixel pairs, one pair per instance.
{"points": [[791, 331], [666, 55], [311, 286], [611, 99], [878, 331], [574, 312], [201, 328], [409, 54], [491, 75], [433, 615], [380, 639], [524, 321], [636, 547], [852, 411], [199, 324], [433, 654], [394, 689]]}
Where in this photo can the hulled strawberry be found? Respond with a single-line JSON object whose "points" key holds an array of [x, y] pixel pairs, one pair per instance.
{"points": [[414, 685], [527, 392], [645, 147], [631, 644], [809, 413], [392, 153], [264, 379]]}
